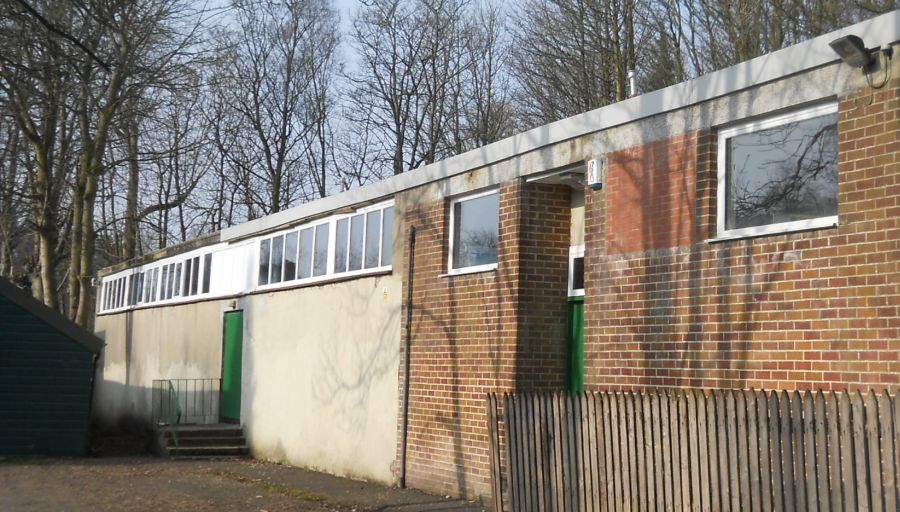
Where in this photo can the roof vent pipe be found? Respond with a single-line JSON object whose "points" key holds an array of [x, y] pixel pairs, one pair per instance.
{"points": [[632, 84]]}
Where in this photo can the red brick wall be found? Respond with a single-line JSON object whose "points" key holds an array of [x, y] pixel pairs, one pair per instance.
{"points": [[477, 333], [795, 311], [543, 289], [662, 171], [463, 344], [663, 307]]}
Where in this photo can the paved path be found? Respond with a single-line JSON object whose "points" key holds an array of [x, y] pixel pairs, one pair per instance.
{"points": [[159, 485]]}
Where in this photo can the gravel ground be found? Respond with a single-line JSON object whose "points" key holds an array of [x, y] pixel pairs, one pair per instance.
{"points": [[143, 483]]}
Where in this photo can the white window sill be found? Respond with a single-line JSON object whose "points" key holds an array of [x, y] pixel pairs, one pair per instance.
{"points": [[480, 269], [776, 229]]}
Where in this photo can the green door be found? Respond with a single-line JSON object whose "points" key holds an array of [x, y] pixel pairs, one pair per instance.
{"points": [[575, 377], [231, 366]]}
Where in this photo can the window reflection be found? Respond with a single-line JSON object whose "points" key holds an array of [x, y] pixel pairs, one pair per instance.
{"points": [[476, 229], [373, 238], [340, 245], [320, 261], [782, 174], [304, 265], [356, 242], [290, 256]]}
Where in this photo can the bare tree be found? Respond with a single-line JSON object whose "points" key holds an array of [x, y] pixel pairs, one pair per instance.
{"points": [[280, 62], [35, 81], [12, 221], [407, 92], [487, 111], [573, 56]]}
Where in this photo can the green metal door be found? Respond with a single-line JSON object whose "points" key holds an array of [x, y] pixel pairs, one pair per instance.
{"points": [[575, 377], [231, 365]]}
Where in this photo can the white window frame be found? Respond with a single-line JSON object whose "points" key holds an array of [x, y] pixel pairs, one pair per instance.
{"points": [[722, 185], [365, 216], [330, 272], [575, 251], [452, 226]]}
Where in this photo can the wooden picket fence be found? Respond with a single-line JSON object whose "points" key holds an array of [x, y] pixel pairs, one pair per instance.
{"points": [[695, 450]]}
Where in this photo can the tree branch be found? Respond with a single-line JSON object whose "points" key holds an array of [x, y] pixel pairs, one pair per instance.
{"points": [[65, 35]]}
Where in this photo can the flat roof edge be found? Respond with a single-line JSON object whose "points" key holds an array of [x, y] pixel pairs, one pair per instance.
{"points": [[804, 56]]}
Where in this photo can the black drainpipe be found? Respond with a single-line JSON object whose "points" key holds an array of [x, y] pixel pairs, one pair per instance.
{"points": [[406, 357]]}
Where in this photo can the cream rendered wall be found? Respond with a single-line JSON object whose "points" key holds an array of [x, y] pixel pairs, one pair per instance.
{"points": [[320, 371], [176, 342], [319, 377], [576, 225]]}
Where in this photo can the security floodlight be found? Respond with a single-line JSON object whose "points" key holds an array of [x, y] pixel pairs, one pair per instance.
{"points": [[852, 51]]}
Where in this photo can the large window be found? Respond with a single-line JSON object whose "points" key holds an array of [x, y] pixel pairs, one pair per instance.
{"points": [[364, 241], [357, 243], [172, 280], [474, 232], [779, 174], [347, 244]]}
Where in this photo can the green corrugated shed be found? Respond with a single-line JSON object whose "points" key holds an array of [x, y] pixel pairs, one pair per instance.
{"points": [[46, 377]]}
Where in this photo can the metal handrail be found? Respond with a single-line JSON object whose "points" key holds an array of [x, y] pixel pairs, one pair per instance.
{"points": [[186, 401], [173, 425]]}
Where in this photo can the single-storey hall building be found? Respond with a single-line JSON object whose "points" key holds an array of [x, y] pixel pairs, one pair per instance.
{"points": [[740, 230]]}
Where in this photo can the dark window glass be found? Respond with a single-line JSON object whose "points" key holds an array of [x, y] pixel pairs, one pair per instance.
{"points": [[195, 276], [373, 238], [356, 242], [133, 287], [290, 256], [476, 230], [578, 273], [171, 282], [264, 262], [387, 237], [782, 174], [186, 284], [147, 280], [164, 284], [340, 245], [177, 281], [304, 261], [154, 284], [320, 260], [207, 271], [277, 259]]}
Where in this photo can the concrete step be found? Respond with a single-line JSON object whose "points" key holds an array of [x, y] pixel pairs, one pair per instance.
{"points": [[207, 441], [209, 451], [215, 430], [200, 441]]}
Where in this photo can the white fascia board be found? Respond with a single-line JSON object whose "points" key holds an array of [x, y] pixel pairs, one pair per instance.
{"points": [[814, 53]]}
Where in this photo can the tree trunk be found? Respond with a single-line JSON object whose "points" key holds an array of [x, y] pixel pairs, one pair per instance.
{"points": [[129, 236]]}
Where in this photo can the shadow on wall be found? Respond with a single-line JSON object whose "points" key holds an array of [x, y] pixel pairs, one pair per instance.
{"points": [[689, 306], [131, 361], [351, 386], [119, 408], [323, 375], [460, 331]]}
